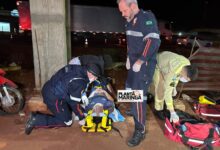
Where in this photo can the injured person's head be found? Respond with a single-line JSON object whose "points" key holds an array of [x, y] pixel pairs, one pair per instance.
{"points": [[98, 109]]}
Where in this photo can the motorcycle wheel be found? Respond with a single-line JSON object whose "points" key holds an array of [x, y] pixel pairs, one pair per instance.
{"points": [[18, 104]]}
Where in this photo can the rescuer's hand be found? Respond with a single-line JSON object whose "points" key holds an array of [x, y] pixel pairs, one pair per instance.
{"points": [[137, 65], [174, 117], [128, 66]]}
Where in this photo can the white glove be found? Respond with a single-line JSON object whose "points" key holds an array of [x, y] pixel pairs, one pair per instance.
{"points": [[128, 66], [174, 92], [85, 100], [174, 117], [82, 122], [137, 66]]}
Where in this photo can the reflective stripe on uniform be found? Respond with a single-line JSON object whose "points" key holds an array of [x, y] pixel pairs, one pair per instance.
{"points": [[147, 47], [134, 33], [76, 79], [152, 35], [138, 116], [75, 98], [141, 113]]}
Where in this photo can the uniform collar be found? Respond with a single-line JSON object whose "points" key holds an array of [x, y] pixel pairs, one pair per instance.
{"points": [[136, 15], [85, 73], [133, 21]]}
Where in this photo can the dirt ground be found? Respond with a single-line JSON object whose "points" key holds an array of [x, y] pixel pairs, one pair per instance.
{"points": [[12, 136]]}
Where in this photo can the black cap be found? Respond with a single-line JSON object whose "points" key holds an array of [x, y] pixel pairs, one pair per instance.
{"points": [[94, 69]]}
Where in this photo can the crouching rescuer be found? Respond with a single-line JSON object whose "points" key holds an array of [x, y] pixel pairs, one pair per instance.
{"points": [[171, 68], [62, 95]]}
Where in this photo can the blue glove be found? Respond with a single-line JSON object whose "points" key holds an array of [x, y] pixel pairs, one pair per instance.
{"points": [[174, 117]]}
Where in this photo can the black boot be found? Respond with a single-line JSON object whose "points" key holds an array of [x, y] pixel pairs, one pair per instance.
{"points": [[159, 114], [136, 139], [30, 124]]}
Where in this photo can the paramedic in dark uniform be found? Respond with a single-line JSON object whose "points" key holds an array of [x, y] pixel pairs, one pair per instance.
{"points": [[62, 95], [143, 41], [104, 61]]}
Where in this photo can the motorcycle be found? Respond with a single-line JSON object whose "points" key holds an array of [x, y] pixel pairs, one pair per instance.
{"points": [[11, 99]]}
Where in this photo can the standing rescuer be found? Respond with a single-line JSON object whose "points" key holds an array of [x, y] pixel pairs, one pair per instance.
{"points": [[171, 68], [143, 41]]}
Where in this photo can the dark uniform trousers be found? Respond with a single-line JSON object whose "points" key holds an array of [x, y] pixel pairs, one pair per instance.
{"points": [[69, 80], [141, 81], [61, 111]]}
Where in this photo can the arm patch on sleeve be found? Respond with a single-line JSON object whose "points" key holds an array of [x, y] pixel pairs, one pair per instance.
{"points": [[149, 22]]}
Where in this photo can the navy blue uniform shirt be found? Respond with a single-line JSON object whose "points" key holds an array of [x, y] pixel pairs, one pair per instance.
{"points": [[142, 27], [69, 82]]}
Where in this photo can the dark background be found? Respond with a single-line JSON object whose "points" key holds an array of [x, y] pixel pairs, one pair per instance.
{"points": [[184, 14]]}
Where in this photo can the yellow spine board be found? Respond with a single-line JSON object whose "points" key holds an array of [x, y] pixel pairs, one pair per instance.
{"points": [[104, 126]]}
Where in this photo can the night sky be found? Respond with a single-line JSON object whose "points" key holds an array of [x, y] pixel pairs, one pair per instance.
{"points": [[185, 14]]}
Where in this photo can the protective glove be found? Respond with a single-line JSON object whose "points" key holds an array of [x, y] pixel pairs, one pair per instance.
{"points": [[82, 122], [137, 66], [128, 66], [174, 117], [85, 99], [174, 92]]}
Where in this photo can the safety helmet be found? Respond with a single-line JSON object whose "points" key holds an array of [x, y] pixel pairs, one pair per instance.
{"points": [[94, 69]]}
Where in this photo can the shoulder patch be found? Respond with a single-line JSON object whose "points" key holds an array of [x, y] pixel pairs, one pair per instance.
{"points": [[149, 22]]}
